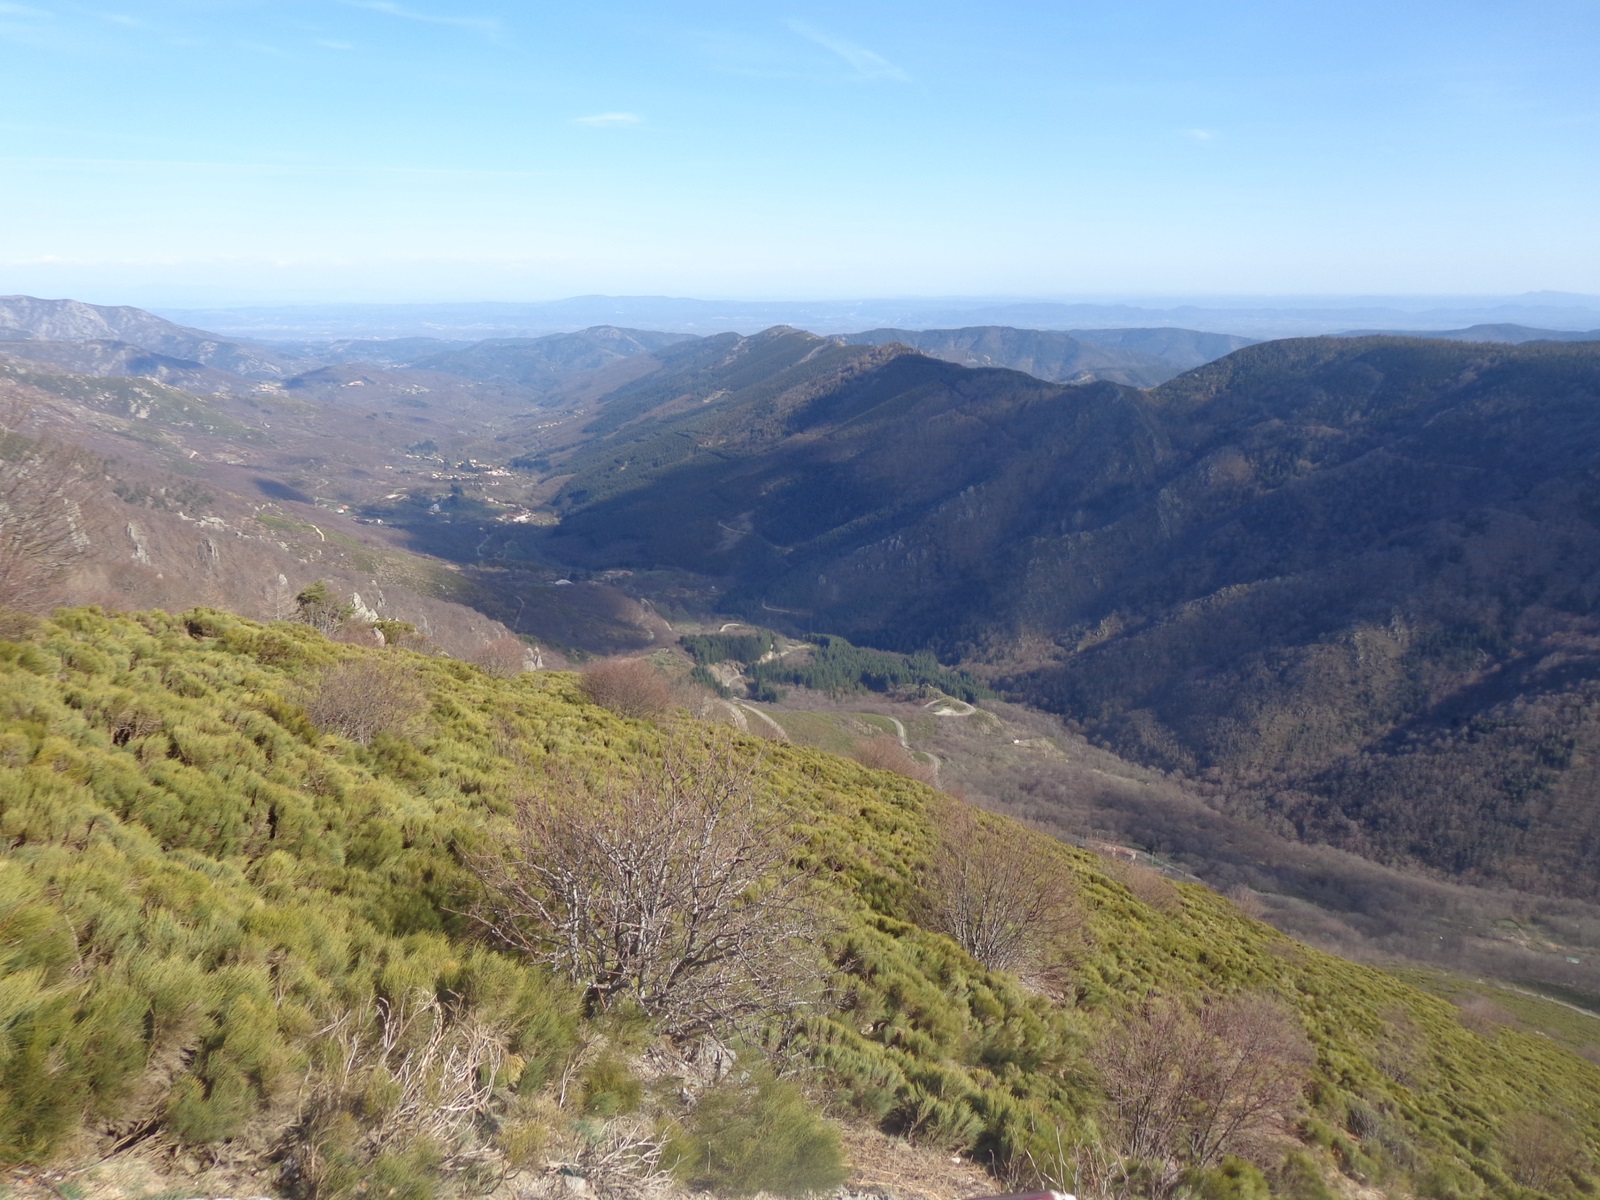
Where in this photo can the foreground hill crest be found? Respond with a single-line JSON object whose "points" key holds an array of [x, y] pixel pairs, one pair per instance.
{"points": [[212, 902]]}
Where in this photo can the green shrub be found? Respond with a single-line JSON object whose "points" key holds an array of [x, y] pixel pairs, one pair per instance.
{"points": [[1298, 1178], [1448, 1179], [335, 1165], [609, 1089], [1231, 1179], [757, 1134]]}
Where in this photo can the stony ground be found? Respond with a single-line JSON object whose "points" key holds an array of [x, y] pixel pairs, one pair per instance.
{"points": [[884, 1168]]}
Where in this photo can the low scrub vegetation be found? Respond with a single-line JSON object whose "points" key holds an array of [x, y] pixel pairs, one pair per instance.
{"points": [[757, 1133], [394, 965]]}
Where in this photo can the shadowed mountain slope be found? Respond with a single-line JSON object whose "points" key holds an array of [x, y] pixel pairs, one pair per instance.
{"points": [[1350, 580]]}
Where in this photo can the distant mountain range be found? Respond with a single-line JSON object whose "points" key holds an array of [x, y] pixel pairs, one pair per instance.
{"points": [[95, 340], [1137, 357], [1253, 317], [1513, 334], [545, 362]]}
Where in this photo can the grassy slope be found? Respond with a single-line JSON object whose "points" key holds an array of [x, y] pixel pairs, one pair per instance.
{"points": [[195, 882]]}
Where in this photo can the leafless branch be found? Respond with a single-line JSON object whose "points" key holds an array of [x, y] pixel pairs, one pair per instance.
{"points": [[415, 1069], [624, 1163], [1187, 1088], [992, 892], [668, 887]]}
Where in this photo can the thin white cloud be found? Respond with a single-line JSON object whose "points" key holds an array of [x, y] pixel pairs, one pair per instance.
{"points": [[1200, 135], [24, 12], [477, 24], [609, 120], [867, 64], [326, 44]]}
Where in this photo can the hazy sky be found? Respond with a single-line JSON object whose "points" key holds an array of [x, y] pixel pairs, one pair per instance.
{"points": [[424, 149]]}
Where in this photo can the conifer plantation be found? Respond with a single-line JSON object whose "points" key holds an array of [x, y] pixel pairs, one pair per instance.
{"points": [[290, 906]]}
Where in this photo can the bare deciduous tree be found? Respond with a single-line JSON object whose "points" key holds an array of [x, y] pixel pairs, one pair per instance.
{"points": [[1148, 885], [885, 753], [1483, 1016], [1187, 1088], [991, 890], [669, 887], [43, 489], [365, 697], [504, 656], [1248, 901], [1540, 1150], [629, 687]]}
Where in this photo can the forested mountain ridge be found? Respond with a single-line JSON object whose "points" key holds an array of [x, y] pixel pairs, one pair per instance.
{"points": [[1136, 357], [116, 359], [757, 479], [1372, 599], [269, 848], [1354, 578]]}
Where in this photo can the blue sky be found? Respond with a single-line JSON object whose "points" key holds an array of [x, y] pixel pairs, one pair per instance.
{"points": [[237, 150]]}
